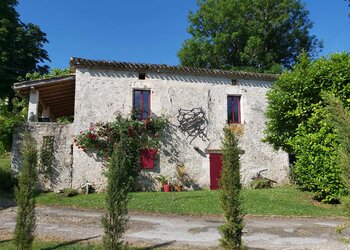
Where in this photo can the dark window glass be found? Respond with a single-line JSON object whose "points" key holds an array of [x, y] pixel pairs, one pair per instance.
{"points": [[141, 104]]}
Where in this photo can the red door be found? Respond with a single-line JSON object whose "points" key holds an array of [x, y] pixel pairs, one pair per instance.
{"points": [[215, 170]]}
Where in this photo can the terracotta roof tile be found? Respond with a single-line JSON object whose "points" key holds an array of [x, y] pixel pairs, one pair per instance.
{"points": [[163, 68]]}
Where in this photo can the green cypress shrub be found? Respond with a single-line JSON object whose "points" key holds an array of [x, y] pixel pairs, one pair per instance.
{"points": [[231, 231], [118, 194], [341, 118], [25, 221]]}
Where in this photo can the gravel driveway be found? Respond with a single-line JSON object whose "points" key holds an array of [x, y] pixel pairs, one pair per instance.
{"points": [[180, 232]]}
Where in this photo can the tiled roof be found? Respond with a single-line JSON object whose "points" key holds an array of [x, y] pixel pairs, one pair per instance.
{"points": [[163, 68]]}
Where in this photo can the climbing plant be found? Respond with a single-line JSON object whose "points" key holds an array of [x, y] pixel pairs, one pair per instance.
{"points": [[47, 155], [102, 138]]}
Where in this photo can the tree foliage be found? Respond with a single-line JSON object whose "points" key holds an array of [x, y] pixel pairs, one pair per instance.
{"points": [[231, 192], [297, 94], [246, 34], [25, 220], [55, 72], [21, 48], [10, 118], [299, 123]]}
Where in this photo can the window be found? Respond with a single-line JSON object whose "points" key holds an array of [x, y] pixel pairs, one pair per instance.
{"points": [[142, 76], [234, 109], [141, 104]]}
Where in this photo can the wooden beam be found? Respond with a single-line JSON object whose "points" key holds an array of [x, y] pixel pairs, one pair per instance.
{"points": [[53, 94], [58, 97]]}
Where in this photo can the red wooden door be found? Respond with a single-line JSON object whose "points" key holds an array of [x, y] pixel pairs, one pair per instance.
{"points": [[215, 170]]}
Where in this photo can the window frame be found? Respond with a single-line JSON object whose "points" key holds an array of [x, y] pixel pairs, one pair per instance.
{"points": [[142, 91], [232, 103]]}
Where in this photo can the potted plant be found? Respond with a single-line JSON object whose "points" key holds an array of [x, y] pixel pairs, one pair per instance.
{"points": [[177, 185], [180, 178], [164, 182]]}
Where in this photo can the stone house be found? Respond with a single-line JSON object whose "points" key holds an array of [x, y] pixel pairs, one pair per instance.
{"points": [[198, 103]]}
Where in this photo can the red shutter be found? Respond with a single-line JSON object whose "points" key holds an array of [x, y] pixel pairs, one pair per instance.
{"points": [[147, 158]]}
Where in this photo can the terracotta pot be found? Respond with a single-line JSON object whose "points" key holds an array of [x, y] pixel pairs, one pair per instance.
{"points": [[166, 188], [178, 188]]}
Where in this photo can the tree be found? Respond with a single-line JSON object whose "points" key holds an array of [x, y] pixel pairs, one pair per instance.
{"points": [[230, 195], [247, 34], [25, 221], [297, 94], [299, 123], [118, 194], [21, 48]]}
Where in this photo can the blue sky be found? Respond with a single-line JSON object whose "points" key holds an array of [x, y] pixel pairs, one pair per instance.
{"points": [[147, 31]]}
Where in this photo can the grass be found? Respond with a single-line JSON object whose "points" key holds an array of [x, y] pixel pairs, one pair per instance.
{"points": [[76, 245], [9, 245], [281, 201]]}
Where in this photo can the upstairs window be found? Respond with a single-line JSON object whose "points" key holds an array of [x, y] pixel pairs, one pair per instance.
{"points": [[234, 109], [141, 104]]}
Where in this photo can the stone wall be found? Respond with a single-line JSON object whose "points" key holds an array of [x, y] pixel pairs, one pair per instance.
{"points": [[100, 94], [61, 173]]}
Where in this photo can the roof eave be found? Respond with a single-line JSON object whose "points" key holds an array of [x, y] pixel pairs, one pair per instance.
{"points": [[43, 82], [161, 68]]}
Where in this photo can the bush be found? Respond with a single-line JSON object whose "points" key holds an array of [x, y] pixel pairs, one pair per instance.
{"points": [[317, 150], [10, 117], [70, 192], [261, 183], [7, 182], [298, 123]]}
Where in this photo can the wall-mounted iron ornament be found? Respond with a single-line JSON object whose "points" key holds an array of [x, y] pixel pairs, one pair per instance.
{"points": [[193, 122]]}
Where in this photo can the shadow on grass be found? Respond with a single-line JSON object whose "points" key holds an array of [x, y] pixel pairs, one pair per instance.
{"points": [[69, 243], [6, 201], [4, 241], [165, 244]]}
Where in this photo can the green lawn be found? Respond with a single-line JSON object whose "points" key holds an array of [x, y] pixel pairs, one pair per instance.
{"points": [[9, 245], [283, 201], [76, 245]]}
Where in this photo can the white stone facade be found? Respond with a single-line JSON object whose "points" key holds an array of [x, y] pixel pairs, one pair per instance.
{"points": [[100, 94], [61, 173]]}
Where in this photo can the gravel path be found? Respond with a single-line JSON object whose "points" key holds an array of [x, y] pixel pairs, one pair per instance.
{"points": [[183, 232]]}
